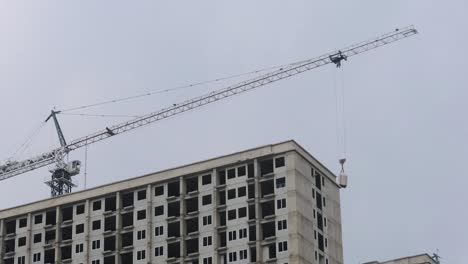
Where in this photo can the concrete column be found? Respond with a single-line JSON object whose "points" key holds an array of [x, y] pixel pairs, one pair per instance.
{"points": [[183, 228], [149, 218], [29, 240], [2, 232], [58, 234], [258, 212], [118, 226], [214, 217], [87, 228]]}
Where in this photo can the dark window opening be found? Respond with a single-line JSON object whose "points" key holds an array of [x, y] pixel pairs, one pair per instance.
{"points": [[126, 258], [173, 189], [222, 218], [222, 239], [272, 251], [49, 256], [127, 219], [23, 222], [267, 187], [141, 195], [9, 261], [67, 214], [252, 233], [51, 217], [241, 171], [268, 208], [242, 212], [192, 225], [279, 162], [80, 209], [268, 229], [206, 179], [192, 245], [173, 229], [173, 250], [38, 219], [231, 173], [109, 260], [251, 191], [11, 227], [320, 242], [280, 182], [158, 190], [241, 191], [37, 238], [252, 211], [141, 214], [192, 205], [50, 236], [127, 199], [222, 197], [9, 245], [191, 184], [66, 252], [79, 229], [67, 233], [109, 243], [127, 239], [232, 214], [173, 209], [231, 194], [250, 170], [319, 221], [318, 199], [110, 204], [21, 241], [110, 223], [253, 254], [97, 205], [266, 166], [222, 177], [318, 182], [159, 210], [206, 199], [96, 224]]}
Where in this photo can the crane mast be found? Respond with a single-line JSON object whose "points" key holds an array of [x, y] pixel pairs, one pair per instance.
{"points": [[56, 156]]}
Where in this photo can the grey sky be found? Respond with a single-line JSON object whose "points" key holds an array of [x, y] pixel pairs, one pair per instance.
{"points": [[405, 103]]}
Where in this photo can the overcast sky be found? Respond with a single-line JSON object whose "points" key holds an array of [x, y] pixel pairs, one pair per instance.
{"points": [[405, 103]]}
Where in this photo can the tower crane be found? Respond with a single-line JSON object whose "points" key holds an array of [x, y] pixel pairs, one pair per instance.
{"points": [[61, 181]]}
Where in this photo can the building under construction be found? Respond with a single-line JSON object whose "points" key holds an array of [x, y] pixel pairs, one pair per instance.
{"points": [[271, 204]]}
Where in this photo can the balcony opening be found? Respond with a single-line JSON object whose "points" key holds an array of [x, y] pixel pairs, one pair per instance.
{"points": [[222, 239], [127, 199], [110, 204], [173, 229], [250, 170], [268, 208], [127, 219], [10, 245], [11, 227], [253, 255], [267, 187], [67, 213], [251, 191], [173, 250], [268, 230], [49, 237], [173, 189], [192, 225], [192, 205], [318, 182], [191, 184], [319, 221], [127, 239], [266, 166], [49, 256], [67, 233], [109, 260], [252, 233], [222, 177], [109, 243], [51, 217], [66, 252], [318, 199], [110, 223], [222, 197], [173, 209], [252, 212], [126, 258], [192, 245], [222, 218], [272, 251], [9, 261]]}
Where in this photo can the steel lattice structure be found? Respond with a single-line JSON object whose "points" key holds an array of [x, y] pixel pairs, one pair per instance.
{"points": [[15, 168]]}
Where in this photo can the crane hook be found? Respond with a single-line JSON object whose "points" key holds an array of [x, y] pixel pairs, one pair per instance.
{"points": [[343, 177]]}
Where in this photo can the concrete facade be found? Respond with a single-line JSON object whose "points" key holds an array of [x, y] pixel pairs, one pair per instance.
{"points": [[272, 204]]}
